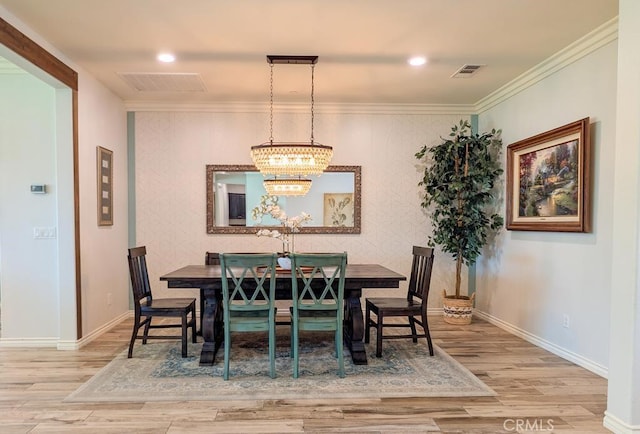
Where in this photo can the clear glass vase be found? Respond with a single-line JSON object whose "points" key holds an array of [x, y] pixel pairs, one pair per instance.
{"points": [[287, 244]]}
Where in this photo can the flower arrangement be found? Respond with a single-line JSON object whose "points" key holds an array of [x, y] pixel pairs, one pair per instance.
{"points": [[290, 225]]}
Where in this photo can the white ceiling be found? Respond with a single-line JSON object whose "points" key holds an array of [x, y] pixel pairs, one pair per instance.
{"points": [[363, 45]]}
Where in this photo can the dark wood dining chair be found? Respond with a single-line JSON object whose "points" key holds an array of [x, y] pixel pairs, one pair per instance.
{"points": [[146, 307], [248, 300], [317, 283], [414, 306], [210, 258]]}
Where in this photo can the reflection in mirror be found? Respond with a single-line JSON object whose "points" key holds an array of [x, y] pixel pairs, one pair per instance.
{"points": [[234, 190]]}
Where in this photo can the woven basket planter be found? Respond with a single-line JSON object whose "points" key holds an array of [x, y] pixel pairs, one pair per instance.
{"points": [[457, 310]]}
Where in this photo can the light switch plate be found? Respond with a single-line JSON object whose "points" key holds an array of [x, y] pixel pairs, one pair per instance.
{"points": [[40, 233]]}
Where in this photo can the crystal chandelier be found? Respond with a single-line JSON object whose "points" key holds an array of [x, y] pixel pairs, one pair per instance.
{"points": [[287, 186], [291, 159]]}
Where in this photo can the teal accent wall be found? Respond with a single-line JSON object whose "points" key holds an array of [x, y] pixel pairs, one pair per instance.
{"points": [[472, 269], [131, 176], [474, 123], [131, 182]]}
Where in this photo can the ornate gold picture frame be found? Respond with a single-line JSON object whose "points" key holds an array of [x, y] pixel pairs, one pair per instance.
{"points": [[549, 181]]}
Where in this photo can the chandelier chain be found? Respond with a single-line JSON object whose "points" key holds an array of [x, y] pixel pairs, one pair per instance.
{"points": [[271, 106], [312, 99], [294, 159]]}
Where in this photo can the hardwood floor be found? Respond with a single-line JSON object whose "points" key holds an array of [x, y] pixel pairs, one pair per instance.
{"points": [[537, 392]]}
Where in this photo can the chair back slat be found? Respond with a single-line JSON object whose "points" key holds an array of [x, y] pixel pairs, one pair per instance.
{"points": [[212, 258], [246, 284], [420, 279], [322, 277], [139, 275]]}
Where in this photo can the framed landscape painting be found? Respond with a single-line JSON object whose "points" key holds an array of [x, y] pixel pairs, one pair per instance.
{"points": [[548, 181]]}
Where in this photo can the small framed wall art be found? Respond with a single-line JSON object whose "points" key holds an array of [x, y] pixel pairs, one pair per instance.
{"points": [[549, 181], [338, 209], [105, 186]]}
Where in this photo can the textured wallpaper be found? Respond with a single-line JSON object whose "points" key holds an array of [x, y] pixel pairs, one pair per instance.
{"points": [[173, 148]]}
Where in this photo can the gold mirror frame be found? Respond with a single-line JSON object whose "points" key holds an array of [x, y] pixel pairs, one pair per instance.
{"points": [[213, 229]]}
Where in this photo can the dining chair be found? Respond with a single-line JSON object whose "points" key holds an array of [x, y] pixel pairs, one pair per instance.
{"points": [[146, 307], [317, 283], [414, 306], [210, 258], [248, 299]]}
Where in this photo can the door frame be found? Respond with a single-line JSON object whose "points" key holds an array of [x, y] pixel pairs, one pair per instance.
{"points": [[29, 50]]}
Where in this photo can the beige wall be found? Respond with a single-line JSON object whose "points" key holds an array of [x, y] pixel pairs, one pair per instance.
{"points": [[172, 149], [534, 279], [105, 273]]}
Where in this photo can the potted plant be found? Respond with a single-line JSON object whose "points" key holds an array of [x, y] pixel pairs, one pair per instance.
{"points": [[458, 180]]}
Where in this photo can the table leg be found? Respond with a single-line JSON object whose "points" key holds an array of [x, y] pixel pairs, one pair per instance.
{"points": [[211, 326], [354, 326], [201, 311]]}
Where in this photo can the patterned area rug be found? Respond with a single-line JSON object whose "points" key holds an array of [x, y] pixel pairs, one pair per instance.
{"points": [[158, 373]]}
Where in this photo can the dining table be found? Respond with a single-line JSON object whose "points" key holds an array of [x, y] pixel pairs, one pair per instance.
{"points": [[209, 279]]}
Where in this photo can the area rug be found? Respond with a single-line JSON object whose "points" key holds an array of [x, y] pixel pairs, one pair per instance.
{"points": [[157, 372]]}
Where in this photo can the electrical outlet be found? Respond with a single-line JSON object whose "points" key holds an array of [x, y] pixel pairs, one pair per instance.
{"points": [[565, 321]]}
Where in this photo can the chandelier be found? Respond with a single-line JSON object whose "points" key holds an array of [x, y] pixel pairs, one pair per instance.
{"points": [[287, 186], [296, 159]]}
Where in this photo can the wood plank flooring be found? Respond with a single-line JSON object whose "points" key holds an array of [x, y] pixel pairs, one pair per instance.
{"points": [[537, 392]]}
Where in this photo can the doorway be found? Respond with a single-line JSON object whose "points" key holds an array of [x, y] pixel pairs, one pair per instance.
{"points": [[65, 255]]}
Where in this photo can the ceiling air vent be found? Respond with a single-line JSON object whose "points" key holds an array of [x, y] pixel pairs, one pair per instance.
{"points": [[466, 71], [163, 82]]}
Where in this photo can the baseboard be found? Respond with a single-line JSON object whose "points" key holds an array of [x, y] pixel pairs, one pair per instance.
{"points": [[434, 311], [617, 426], [77, 344], [29, 342], [542, 343]]}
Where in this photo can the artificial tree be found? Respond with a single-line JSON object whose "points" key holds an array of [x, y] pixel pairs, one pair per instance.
{"points": [[458, 184]]}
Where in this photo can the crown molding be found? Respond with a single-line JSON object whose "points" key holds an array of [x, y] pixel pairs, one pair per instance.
{"points": [[343, 108], [601, 36]]}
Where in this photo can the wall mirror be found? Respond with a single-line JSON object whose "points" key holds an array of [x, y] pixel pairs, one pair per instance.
{"points": [[234, 190]]}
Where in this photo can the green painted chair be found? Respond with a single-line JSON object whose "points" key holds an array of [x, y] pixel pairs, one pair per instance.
{"points": [[248, 295], [317, 281]]}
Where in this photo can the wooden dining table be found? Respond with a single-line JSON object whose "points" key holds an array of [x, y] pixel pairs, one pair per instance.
{"points": [[209, 278]]}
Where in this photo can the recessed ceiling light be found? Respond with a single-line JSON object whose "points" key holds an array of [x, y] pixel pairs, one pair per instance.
{"points": [[166, 57], [417, 61]]}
